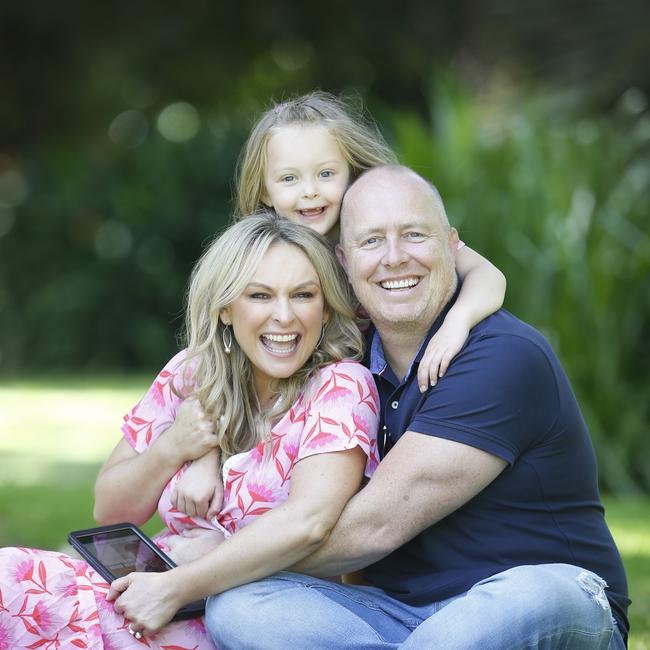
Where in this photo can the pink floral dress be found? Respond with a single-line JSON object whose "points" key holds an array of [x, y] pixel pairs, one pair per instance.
{"points": [[49, 600]]}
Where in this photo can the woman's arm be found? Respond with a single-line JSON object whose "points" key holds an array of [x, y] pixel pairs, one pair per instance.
{"points": [[321, 485], [482, 293], [129, 484]]}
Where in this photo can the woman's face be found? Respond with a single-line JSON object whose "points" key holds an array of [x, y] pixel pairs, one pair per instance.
{"points": [[277, 320]]}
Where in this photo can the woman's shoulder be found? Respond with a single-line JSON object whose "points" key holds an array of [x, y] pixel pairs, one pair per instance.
{"points": [[345, 375], [353, 369]]}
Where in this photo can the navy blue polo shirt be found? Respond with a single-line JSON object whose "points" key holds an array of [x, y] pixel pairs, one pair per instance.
{"points": [[507, 394]]}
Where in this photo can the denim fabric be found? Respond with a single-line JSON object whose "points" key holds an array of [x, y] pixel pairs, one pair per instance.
{"points": [[545, 606]]}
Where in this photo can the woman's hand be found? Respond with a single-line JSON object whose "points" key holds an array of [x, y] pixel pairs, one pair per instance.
{"points": [[192, 544], [147, 600], [191, 435]]}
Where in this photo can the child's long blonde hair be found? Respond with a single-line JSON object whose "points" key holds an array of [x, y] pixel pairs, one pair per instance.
{"points": [[361, 143], [224, 382]]}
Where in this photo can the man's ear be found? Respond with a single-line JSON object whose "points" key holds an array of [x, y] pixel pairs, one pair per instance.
{"points": [[453, 240], [340, 256]]}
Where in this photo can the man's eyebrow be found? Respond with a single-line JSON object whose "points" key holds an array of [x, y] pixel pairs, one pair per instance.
{"points": [[420, 225]]}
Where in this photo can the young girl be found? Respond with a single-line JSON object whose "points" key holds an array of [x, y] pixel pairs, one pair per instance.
{"points": [[299, 159]]}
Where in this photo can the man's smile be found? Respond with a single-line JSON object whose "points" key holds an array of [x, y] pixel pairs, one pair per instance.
{"points": [[400, 284]]}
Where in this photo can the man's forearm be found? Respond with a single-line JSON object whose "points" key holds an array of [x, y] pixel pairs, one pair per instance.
{"points": [[352, 544]]}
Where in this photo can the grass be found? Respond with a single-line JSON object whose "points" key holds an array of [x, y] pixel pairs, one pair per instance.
{"points": [[54, 435]]}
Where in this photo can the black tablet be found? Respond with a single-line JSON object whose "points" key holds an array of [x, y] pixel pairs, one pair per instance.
{"points": [[118, 549]]}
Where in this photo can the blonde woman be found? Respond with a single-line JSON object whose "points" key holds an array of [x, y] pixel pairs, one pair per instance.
{"points": [[270, 391]]}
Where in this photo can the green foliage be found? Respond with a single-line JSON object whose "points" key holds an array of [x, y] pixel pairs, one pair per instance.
{"points": [[560, 205]]}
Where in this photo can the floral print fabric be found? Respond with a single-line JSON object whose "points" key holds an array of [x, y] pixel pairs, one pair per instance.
{"points": [[50, 600]]}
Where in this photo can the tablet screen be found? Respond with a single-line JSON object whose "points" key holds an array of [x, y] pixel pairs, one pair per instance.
{"points": [[122, 552]]}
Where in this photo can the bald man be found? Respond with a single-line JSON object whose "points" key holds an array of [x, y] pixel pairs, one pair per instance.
{"points": [[482, 526]]}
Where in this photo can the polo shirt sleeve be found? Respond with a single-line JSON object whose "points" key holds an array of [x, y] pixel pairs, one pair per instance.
{"points": [[499, 395]]}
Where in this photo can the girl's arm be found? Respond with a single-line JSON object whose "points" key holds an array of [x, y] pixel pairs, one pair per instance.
{"points": [[199, 492], [482, 293], [321, 485], [129, 484]]}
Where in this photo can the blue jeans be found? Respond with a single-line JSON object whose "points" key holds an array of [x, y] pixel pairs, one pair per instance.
{"points": [[546, 606]]}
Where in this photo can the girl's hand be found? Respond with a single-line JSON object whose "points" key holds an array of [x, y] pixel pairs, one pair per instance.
{"points": [[147, 600], [191, 435], [445, 344], [192, 544], [199, 491]]}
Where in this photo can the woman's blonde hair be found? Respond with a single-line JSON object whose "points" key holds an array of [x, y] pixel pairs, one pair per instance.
{"points": [[223, 382], [361, 143]]}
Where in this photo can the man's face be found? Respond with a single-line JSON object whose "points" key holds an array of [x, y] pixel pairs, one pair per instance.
{"points": [[396, 250]]}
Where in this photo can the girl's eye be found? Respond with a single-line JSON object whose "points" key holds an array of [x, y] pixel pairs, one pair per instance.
{"points": [[289, 178], [327, 173]]}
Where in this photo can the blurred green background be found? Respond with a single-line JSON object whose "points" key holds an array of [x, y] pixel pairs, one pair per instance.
{"points": [[120, 126]]}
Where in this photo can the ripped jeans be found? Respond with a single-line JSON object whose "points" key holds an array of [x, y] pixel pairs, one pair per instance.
{"points": [[545, 606]]}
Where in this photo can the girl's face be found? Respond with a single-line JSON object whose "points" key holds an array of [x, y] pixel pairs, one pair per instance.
{"points": [[277, 320], [306, 176]]}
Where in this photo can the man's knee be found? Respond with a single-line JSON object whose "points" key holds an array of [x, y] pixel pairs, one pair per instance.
{"points": [[556, 594], [564, 581]]}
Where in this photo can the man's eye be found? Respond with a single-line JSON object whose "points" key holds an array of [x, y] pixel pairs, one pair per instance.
{"points": [[371, 241], [415, 235]]}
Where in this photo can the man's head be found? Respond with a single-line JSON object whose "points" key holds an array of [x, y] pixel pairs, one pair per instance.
{"points": [[397, 248]]}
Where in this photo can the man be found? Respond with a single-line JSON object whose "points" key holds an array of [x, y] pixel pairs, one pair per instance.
{"points": [[482, 526]]}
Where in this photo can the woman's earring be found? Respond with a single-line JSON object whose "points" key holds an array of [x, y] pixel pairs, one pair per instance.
{"points": [[322, 333], [226, 333]]}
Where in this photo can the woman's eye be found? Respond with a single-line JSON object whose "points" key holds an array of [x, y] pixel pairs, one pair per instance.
{"points": [[259, 296], [304, 295]]}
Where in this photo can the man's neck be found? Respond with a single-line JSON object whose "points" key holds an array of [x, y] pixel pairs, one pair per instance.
{"points": [[400, 347]]}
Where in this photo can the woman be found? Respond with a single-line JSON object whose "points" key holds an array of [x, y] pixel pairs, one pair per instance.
{"points": [[268, 381]]}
